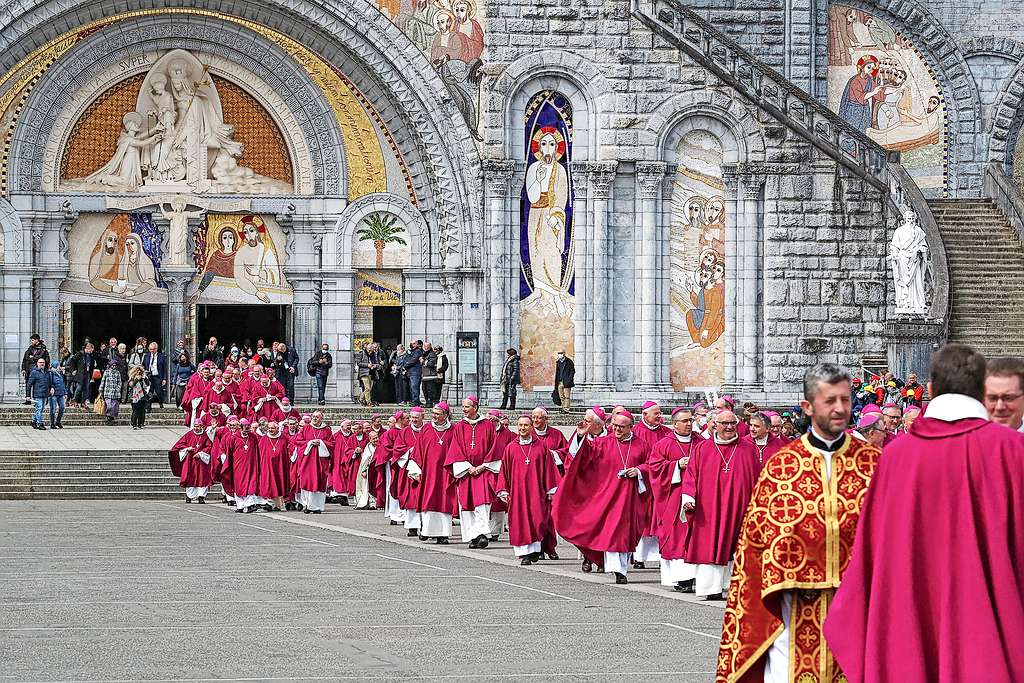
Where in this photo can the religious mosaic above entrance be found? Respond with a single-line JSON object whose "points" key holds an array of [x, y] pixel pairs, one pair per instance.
{"points": [[239, 259], [698, 259], [115, 256], [880, 84], [547, 277]]}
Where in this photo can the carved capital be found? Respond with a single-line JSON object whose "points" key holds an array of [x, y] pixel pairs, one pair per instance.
{"points": [[601, 175], [451, 285], [498, 174], [650, 174], [750, 188]]}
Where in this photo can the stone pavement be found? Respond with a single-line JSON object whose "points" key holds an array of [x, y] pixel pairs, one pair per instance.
{"points": [[159, 591]]}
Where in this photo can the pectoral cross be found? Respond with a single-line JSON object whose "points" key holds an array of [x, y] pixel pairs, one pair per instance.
{"points": [[726, 468]]}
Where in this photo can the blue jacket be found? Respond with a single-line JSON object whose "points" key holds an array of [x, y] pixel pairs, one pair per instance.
{"points": [[161, 363], [39, 383], [57, 380]]}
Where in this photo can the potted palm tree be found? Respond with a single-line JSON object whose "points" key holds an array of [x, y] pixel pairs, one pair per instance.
{"points": [[382, 229]]}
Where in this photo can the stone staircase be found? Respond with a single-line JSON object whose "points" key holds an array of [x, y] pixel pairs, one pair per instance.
{"points": [[986, 272], [124, 474]]}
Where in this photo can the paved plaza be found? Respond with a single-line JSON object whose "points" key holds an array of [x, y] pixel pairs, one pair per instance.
{"points": [[142, 591]]}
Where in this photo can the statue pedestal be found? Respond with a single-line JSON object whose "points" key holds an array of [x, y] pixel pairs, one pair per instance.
{"points": [[910, 343], [167, 187]]}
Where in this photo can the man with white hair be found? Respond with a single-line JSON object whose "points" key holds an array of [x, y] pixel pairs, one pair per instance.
{"points": [[557, 445], [474, 465], [312, 454], [764, 441], [649, 430], [436, 497]]}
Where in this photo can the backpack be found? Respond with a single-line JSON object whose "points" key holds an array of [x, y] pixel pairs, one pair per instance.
{"points": [[311, 367]]}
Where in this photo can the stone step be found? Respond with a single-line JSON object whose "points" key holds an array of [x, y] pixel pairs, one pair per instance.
{"points": [[156, 494]]}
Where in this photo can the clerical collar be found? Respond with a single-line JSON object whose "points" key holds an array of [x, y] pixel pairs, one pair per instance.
{"points": [[527, 440], [726, 441], [629, 437], [538, 432], [825, 445], [473, 422], [683, 439], [760, 442], [348, 433], [415, 428], [644, 422], [952, 407], [441, 428]]}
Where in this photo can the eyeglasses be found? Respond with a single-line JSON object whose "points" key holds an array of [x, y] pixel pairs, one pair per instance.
{"points": [[728, 423], [1005, 398]]}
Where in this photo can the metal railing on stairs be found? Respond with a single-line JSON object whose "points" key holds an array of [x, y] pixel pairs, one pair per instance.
{"points": [[1001, 189]]}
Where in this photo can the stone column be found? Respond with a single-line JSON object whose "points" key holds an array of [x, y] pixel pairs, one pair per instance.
{"points": [[177, 279], [649, 346], [601, 178], [305, 328], [584, 260], [499, 261]]}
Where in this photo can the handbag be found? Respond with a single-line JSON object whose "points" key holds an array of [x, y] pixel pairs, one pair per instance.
{"points": [[100, 406], [96, 374]]}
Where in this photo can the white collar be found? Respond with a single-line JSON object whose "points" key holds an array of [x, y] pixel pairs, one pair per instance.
{"points": [[645, 423], [682, 439], [725, 443], [952, 407], [540, 433], [527, 440], [441, 428], [761, 443], [473, 422]]}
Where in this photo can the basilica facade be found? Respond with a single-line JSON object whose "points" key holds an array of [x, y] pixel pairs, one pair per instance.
{"points": [[678, 210]]}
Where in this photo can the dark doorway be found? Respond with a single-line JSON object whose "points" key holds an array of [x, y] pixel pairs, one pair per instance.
{"points": [[387, 326], [127, 322], [236, 323]]}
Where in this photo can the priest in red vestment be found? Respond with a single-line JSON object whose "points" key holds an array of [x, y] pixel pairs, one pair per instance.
{"points": [[384, 459], [261, 400], [245, 468], [436, 496], [598, 502], [341, 455], [376, 476], [283, 410], [474, 464], [311, 452], [357, 444], [291, 435], [526, 482], [221, 462], [195, 392], [192, 451], [795, 543], [649, 430], [716, 490], [766, 443], [272, 449], [934, 586], [404, 488], [664, 469], [558, 446], [503, 436]]}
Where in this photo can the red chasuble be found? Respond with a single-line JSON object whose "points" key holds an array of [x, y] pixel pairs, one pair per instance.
{"points": [[527, 474], [555, 441], [245, 464], [221, 398], [594, 507], [934, 587], [472, 444], [376, 480], [355, 456], [192, 471], [796, 536], [193, 396], [403, 489], [341, 454], [272, 458], [222, 470], [773, 446], [503, 436], [313, 462], [257, 403], [720, 478], [291, 471], [664, 470], [649, 436], [436, 490]]}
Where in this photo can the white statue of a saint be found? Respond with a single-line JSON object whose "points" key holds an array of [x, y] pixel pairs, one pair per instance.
{"points": [[178, 218], [124, 170], [908, 254]]}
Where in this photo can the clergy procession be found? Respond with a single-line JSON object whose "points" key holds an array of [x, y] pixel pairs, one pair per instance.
{"points": [[815, 544]]}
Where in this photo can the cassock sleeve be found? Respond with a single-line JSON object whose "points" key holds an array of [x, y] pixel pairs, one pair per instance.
{"points": [[204, 456], [460, 469], [578, 445], [689, 483]]}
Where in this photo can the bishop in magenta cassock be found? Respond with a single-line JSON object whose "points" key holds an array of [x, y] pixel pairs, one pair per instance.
{"points": [[526, 482], [649, 430], [311, 452], [766, 443], [715, 493], [474, 464], [341, 456], [558, 447], [273, 460], [364, 499], [221, 462], [245, 468], [436, 496], [192, 453], [795, 543], [405, 488], [195, 392], [384, 458], [665, 468], [598, 503], [934, 583]]}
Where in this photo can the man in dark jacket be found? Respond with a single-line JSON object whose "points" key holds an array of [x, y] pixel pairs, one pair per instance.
{"points": [[58, 396], [509, 380], [320, 367], [414, 366], [565, 379], [36, 350], [212, 353], [40, 388], [155, 364], [85, 362]]}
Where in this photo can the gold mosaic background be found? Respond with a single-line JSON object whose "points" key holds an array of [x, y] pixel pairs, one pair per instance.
{"points": [[94, 137]]}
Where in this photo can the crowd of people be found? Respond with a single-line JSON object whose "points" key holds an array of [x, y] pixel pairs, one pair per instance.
{"points": [[726, 501]]}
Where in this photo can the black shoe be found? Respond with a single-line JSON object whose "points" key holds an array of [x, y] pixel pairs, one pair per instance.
{"points": [[299, 507], [526, 561], [239, 509], [621, 579], [267, 507], [639, 565], [495, 537], [230, 503], [588, 566], [481, 541], [424, 538], [442, 540], [412, 532], [475, 543], [202, 500], [187, 500], [249, 510], [60, 426], [392, 523], [714, 597], [317, 512], [344, 501], [305, 512], [553, 556], [684, 586], [41, 428]]}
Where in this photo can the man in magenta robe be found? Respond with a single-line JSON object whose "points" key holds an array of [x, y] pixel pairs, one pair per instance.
{"points": [[311, 452], [195, 392], [221, 462], [526, 482], [503, 436], [598, 502], [291, 435], [218, 395], [405, 489], [665, 468], [649, 431], [341, 453], [474, 465], [262, 398], [284, 410], [436, 496], [936, 574], [761, 437], [716, 488], [357, 444], [378, 475], [192, 451], [272, 453], [243, 451], [558, 447]]}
